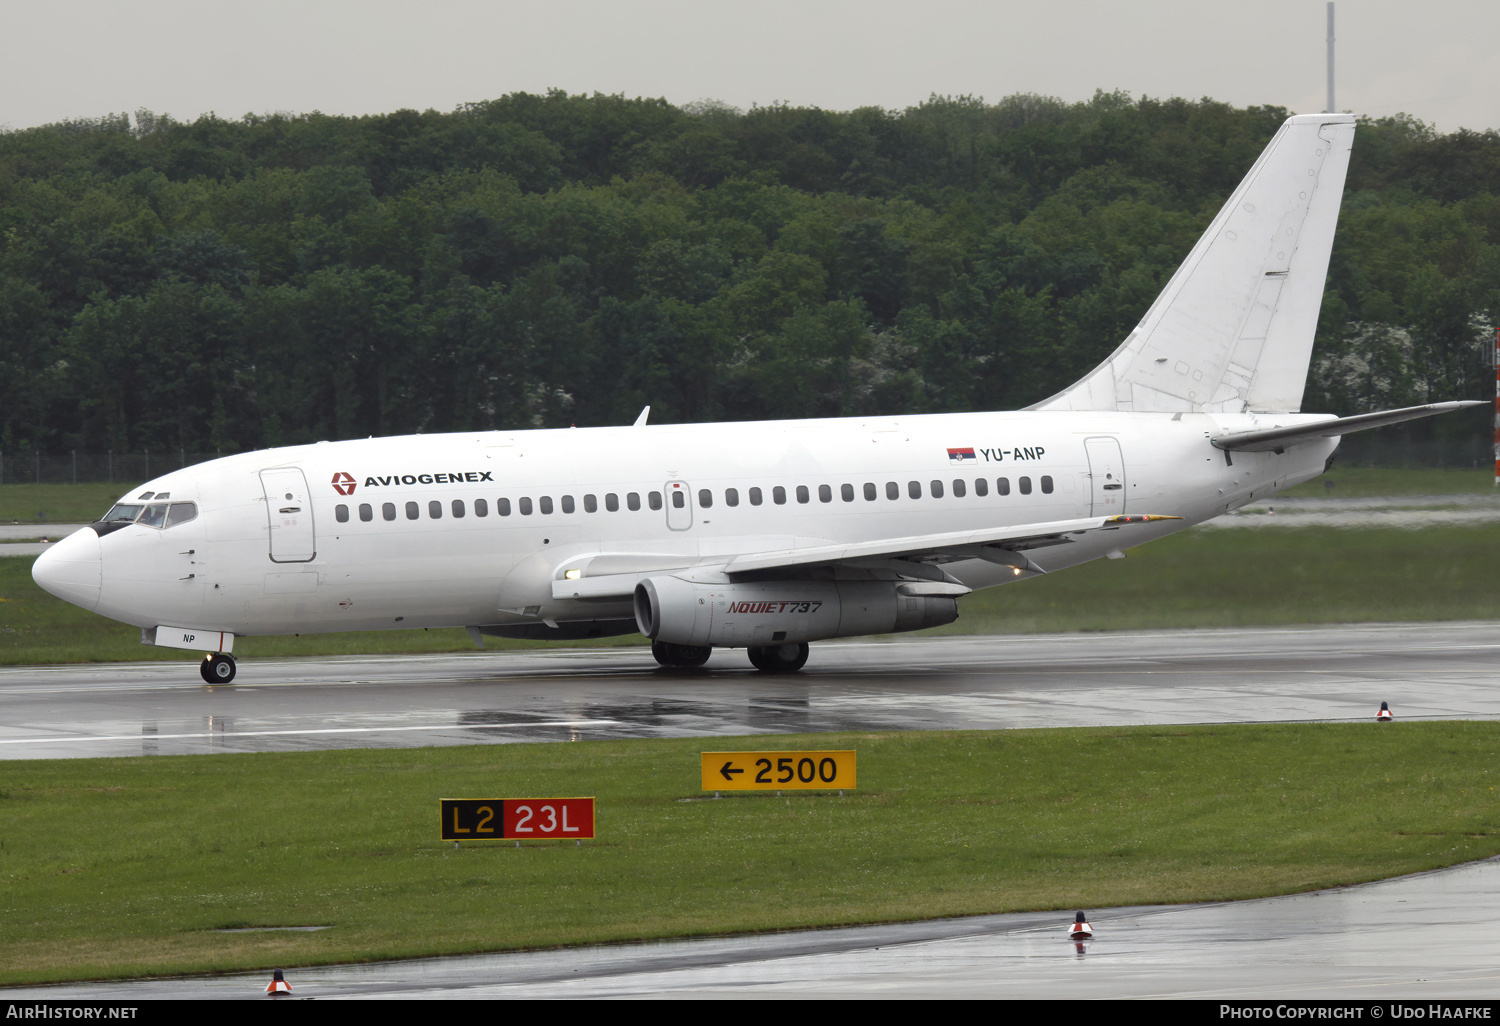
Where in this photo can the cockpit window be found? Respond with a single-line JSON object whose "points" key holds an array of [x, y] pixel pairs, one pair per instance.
{"points": [[122, 512], [146, 495], [155, 516], [181, 513]]}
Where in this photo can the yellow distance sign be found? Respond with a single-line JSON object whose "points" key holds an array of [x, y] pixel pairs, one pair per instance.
{"points": [[777, 771]]}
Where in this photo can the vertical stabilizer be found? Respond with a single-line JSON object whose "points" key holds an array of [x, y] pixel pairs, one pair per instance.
{"points": [[1233, 330]]}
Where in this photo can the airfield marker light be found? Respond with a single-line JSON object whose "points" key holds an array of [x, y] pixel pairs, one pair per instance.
{"points": [[1080, 928], [1384, 715], [278, 985]]}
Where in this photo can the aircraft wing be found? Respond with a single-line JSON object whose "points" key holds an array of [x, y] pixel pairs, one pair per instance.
{"points": [[942, 548], [1279, 438], [616, 576]]}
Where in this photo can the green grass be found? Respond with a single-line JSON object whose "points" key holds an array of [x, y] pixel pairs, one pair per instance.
{"points": [[58, 503], [1366, 482], [1200, 578], [127, 867]]}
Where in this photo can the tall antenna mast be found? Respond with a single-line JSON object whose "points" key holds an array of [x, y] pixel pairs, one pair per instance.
{"points": [[1331, 108]]}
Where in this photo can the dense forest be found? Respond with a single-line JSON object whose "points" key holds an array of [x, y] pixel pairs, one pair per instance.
{"points": [[545, 260]]}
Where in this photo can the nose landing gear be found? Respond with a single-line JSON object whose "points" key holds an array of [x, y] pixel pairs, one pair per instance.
{"points": [[217, 668]]}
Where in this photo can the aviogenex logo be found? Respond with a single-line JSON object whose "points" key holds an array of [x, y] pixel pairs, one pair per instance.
{"points": [[453, 477], [343, 483]]}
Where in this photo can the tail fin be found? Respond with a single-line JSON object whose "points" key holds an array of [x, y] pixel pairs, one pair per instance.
{"points": [[1233, 330]]}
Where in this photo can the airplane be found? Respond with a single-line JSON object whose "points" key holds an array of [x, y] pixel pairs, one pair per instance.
{"points": [[770, 535]]}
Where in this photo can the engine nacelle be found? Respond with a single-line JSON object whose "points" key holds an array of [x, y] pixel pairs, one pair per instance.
{"points": [[778, 612]]}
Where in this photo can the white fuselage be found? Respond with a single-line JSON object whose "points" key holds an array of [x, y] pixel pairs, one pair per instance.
{"points": [[474, 528]]}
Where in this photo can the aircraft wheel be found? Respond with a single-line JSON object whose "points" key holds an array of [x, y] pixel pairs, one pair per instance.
{"points": [[779, 658], [217, 668], [669, 654]]}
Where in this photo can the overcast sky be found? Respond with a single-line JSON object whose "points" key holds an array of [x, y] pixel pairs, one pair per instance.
{"points": [[1438, 60]]}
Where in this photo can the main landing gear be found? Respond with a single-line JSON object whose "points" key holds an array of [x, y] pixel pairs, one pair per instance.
{"points": [[680, 656], [779, 658], [765, 658], [217, 668]]}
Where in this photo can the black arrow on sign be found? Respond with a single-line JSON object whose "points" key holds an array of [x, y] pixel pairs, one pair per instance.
{"points": [[725, 771]]}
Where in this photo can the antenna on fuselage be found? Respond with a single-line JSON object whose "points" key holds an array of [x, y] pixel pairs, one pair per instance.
{"points": [[641, 420]]}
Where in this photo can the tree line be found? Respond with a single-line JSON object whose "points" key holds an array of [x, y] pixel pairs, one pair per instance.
{"points": [[546, 260]]}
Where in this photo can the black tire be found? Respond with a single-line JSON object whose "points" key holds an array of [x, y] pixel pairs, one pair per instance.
{"points": [[678, 656], [217, 668], [779, 658]]}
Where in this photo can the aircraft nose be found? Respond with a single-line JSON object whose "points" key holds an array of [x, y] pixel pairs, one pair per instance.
{"points": [[71, 569]]}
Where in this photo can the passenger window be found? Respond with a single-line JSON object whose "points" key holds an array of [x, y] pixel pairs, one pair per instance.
{"points": [[590, 504], [731, 496], [846, 492], [705, 498], [778, 495], [1025, 486], [481, 508], [678, 500], [802, 493], [524, 505], [981, 486], [341, 513], [458, 507], [567, 504], [181, 513], [366, 513], [388, 510], [612, 502], [412, 512], [937, 489], [1046, 485], [892, 490], [545, 505], [870, 491], [958, 488], [435, 509], [653, 499], [502, 507], [633, 500], [825, 494], [755, 497], [914, 489], [1002, 486]]}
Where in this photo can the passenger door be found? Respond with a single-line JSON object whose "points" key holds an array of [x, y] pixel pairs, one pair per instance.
{"points": [[289, 511], [1106, 475]]}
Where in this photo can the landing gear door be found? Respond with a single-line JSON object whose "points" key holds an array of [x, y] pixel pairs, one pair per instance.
{"points": [[1106, 475], [289, 510]]}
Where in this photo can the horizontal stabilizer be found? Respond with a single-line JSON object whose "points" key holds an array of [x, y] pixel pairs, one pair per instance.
{"points": [[1279, 438]]}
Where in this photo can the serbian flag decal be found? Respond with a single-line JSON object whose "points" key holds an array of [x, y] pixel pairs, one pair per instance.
{"points": [[960, 455]]}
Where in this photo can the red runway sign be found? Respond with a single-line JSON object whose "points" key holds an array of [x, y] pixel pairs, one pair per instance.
{"points": [[517, 819]]}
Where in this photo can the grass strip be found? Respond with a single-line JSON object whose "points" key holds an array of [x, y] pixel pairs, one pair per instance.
{"points": [[128, 867], [1199, 578]]}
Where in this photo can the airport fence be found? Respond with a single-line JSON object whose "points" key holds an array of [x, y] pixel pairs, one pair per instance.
{"points": [[94, 467]]}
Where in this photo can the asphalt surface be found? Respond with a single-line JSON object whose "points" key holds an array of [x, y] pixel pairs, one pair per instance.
{"points": [[1432, 936], [1424, 671]]}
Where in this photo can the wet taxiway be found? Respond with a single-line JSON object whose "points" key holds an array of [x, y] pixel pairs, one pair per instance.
{"points": [[1427, 671], [1422, 937]]}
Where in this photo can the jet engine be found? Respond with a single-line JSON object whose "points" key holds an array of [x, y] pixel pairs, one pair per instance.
{"points": [[760, 613]]}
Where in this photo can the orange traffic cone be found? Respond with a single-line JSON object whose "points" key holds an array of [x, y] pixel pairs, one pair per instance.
{"points": [[1384, 715], [1080, 930], [277, 985]]}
